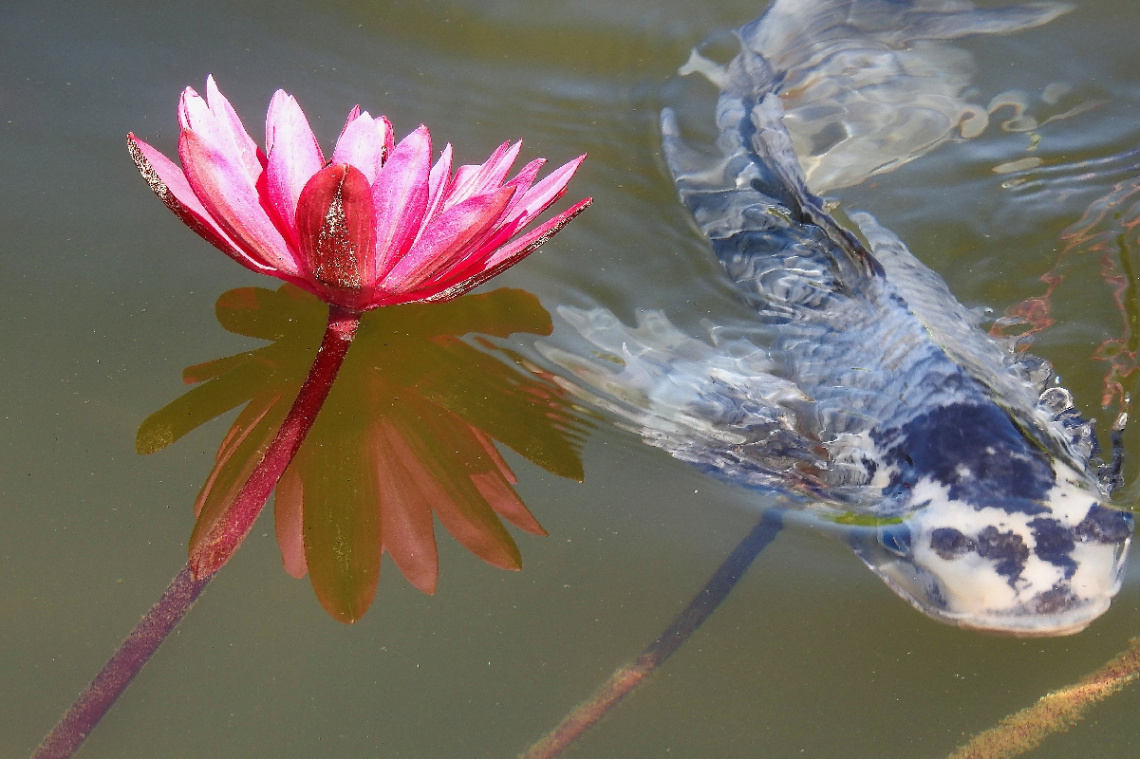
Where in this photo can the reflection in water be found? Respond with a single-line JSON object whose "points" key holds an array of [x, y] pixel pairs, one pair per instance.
{"points": [[407, 432], [1108, 231], [857, 103]]}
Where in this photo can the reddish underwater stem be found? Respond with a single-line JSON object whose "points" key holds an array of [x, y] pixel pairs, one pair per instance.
{"points": [[97, 699], [622, 682], [209, 551]]}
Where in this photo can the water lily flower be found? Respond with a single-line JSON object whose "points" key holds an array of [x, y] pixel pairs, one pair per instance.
{"points": [[375, 225]]}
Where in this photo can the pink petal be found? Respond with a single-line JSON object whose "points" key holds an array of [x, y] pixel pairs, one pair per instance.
{"points": [[169, 183], [233, 202], [229, 120], [447, 238], [529, 242], [462, 279], [437, 185], [525, 206], [483, 178], [522, 181], [334, 227], [382, 124], [294, 157], [215, 121], [389, 138], [462, 179], [538, 198], [353, 115], [362, 145], [513, 218], [399, 198]]}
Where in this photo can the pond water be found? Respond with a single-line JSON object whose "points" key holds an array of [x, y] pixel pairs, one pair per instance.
{"points": [[104, 298]]}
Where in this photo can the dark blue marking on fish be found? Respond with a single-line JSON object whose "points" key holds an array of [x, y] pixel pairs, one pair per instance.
{"points": [[973, 450]]}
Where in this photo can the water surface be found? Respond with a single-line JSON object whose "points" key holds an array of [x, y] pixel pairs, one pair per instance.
{"points": [[105, 298]]}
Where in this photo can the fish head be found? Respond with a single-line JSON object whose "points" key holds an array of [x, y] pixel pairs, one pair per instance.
{"points": [[999, 536]]}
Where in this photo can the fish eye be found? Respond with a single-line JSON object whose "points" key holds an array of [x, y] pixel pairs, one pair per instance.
{"points": [[896, 539]]}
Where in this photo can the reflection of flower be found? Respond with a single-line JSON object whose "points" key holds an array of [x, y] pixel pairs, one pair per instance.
{"points": [[376, 225], [405, 433]]}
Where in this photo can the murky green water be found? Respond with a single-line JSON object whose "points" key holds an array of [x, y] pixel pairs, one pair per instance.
{"points": [[104, 298]]}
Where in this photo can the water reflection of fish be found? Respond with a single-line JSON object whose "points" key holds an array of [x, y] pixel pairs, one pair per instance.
{"points": [[877, 399]]}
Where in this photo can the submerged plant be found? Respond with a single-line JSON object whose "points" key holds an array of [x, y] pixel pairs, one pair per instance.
{"points": [[376, 225]]}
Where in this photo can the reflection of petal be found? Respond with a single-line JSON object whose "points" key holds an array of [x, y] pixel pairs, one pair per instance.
{"points": [[495, 486], [409, 429], [288, 522], [449, 452], [407, 489], [239, 454], [198, 406], [342, 527], [513, 409], [506, 503], [288, 312]]}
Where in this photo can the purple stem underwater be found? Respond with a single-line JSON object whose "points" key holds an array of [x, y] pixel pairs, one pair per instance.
{"points": [[208, 552], [622, 682], [100, 695], [211, 548]]}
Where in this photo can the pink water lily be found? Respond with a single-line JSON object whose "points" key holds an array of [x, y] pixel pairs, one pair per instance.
{"points": [[375, 225]]}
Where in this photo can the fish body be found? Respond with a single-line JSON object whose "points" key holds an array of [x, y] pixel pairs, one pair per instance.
{"points": [[866, 390]]}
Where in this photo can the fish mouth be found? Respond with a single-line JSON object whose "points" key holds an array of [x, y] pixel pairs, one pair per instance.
{"points": [[973, 600], [1053, 614]]}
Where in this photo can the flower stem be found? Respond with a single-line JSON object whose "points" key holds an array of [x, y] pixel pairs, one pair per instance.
{"points": [[622, 682], [1054, 712], [212, 547], [208, 552], [96, 700]]}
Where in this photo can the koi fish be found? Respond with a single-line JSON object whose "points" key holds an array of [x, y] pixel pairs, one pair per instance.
{"points": [[865, 393]]}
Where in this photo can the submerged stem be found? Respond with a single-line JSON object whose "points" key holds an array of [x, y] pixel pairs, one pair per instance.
{"points": [[210, 549], [622, 682], [97, 699], [213, 544], [1054, 712]]}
